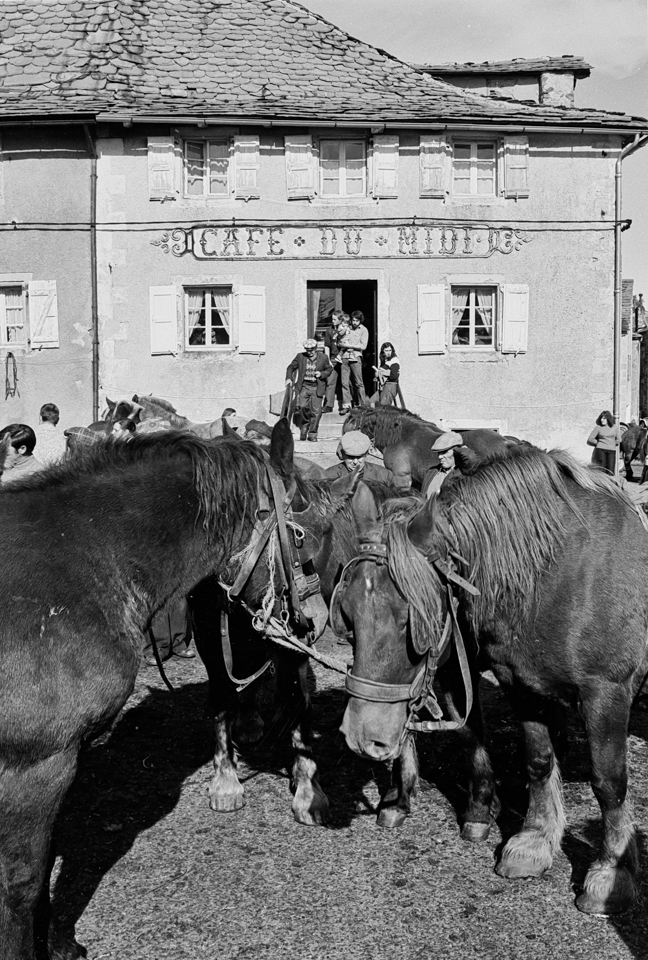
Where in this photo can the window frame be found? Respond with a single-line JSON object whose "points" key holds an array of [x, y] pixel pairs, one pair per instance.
{"points": [[187, 288], [205, 143], [472, 287], [5, 343], [342, 143], [474, 144]]}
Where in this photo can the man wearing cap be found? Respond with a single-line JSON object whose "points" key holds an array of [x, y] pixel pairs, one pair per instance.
{"points": [[309, 371], [352, 451], [444, 446]]}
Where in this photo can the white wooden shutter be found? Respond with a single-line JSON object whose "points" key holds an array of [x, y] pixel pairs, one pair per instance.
{"points": [[43, 314], [431, 318], [164, 320], [434, 165], [1, 173], [515, 318], [247, 164], [516, 167], [251, 320], [385, 166], [162, 168], [301, 173]]}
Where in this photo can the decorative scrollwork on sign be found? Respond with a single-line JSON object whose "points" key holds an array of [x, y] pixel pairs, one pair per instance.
{"points": [[172, 240]]}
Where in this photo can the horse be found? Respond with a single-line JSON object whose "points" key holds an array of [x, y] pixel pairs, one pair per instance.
{"points": [[556, 559], [231, 649], [155, 408], [95, 546], [405, 440], [633, 446]]}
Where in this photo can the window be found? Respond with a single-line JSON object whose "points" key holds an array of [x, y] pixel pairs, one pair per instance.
{"points": [[474, 165], [473, 316], [208, 312], [13, 316], [207, 168], [343, 168]]}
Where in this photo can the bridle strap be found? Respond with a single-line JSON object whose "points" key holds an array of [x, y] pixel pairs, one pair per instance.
{"points": [[229, 660], [378, 692]]}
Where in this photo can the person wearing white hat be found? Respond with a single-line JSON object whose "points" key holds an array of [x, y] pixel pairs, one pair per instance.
{"points": [[445, 447], [353, 450], [309, 371]]}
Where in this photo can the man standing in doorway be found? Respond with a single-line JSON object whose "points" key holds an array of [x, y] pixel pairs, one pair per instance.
{"points": [[313, 369], [355, 343]]}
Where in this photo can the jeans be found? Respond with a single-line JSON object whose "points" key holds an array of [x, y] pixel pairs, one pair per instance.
{"points": [[352, 369]]}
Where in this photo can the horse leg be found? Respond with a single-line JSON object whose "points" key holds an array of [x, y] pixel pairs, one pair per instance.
{"points": [[310, 805], [627, 462], [30, 798], [530, 852], [609, 885], [395, 805]]}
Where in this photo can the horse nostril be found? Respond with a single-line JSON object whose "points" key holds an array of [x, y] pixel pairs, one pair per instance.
{"points": [[377, 750]]}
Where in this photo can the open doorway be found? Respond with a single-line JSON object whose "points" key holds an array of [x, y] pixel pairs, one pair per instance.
{"points": [[325, 296]]}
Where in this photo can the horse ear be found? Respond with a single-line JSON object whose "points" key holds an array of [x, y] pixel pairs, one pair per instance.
{"points": [[282, 448], [365, 512], [111, 404], [419, 531], [467, 460], [230, 431]]}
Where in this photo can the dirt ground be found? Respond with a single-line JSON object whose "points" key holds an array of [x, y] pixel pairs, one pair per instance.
{"points": [[148, 872]]}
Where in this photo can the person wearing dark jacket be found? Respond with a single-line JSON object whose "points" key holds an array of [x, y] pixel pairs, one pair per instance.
{"points": [[353, 450], [309, 371], [387, 375]]}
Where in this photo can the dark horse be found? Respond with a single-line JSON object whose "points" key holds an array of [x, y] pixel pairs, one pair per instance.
{"points": [[405, 441], [93, 548], [633, 446], [560, 559]]}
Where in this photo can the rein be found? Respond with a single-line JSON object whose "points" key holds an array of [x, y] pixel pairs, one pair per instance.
{"points": [[419, 694]]}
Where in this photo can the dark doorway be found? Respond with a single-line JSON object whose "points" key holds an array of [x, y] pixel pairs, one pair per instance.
{"points": [[325, 296]]}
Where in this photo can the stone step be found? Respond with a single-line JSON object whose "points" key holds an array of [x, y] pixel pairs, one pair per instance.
{"points": [[325, 446]]}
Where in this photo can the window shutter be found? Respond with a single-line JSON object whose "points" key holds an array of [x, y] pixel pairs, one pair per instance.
{"points": [[1, 173], [434, 166], [43, 314], [164, 320], [431, 318], [246, 154], [300, 166], [162, 167], [515, 318], [251, 320], [516, 167], [385, 166]]}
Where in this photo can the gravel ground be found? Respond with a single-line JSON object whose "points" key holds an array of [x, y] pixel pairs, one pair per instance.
{"points": [[148, 872]]}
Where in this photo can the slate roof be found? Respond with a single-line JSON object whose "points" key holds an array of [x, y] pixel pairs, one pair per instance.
{"points": [[241, 59], [565, 64]]}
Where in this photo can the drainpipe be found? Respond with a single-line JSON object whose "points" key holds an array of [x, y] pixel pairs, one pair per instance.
{"points": [[93, 272], [639, 141]]}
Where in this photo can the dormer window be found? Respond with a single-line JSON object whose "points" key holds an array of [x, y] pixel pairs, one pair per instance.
{"points": [[474, 168]]}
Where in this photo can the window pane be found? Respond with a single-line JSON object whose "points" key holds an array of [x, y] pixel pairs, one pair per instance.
{"points": [[14, 314], [218, 167], [460, 315], [462, 151], [354, 152], [330, 150], [473, 316], [195, 168], [197, 318], [219, 318], [330, 177], [485, 151]]}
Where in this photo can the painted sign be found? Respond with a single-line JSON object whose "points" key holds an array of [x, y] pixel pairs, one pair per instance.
{"points": [[362, 242]]}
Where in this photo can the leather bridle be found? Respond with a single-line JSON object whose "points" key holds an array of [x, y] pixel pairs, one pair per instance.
{"points": [[419, 694], [296, 586]]}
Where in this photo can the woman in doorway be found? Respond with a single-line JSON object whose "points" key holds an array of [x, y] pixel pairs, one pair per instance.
{"points": [[387, 376], [605, 438]]}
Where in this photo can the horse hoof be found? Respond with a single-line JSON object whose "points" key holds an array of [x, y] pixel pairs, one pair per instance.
{"points": [[475, 832], [227, 804], [607, 891], [390, 817], [317, 817]]}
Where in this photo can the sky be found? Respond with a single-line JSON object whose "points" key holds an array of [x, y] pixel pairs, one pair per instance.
{"points": [[612, 36]]}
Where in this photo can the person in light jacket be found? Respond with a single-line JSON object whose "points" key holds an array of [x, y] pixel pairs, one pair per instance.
{"points": [[605, 438]]}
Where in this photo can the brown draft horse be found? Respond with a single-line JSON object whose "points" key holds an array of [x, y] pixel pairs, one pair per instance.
{"points": [[93, 548], [633, 446], [405, 440], [560, 559]]}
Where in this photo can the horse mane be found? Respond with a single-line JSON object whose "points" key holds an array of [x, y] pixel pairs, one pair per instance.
{"points": [[226, 475], [382, 423], [163, 409]]}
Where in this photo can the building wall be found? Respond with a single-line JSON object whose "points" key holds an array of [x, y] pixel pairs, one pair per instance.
{"points": [[46, 180], [550, 394]]}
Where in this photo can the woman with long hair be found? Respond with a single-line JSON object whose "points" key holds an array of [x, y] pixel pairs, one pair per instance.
{"points": [[605, 438], [387, 375]]}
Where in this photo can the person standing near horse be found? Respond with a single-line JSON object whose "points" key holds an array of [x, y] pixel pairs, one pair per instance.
{"points": [[17, 441], [355, 343], [605, 438], [387, 376], [353, 450], [445, 447], [49, 439], [331, 344], [309, 371]]}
